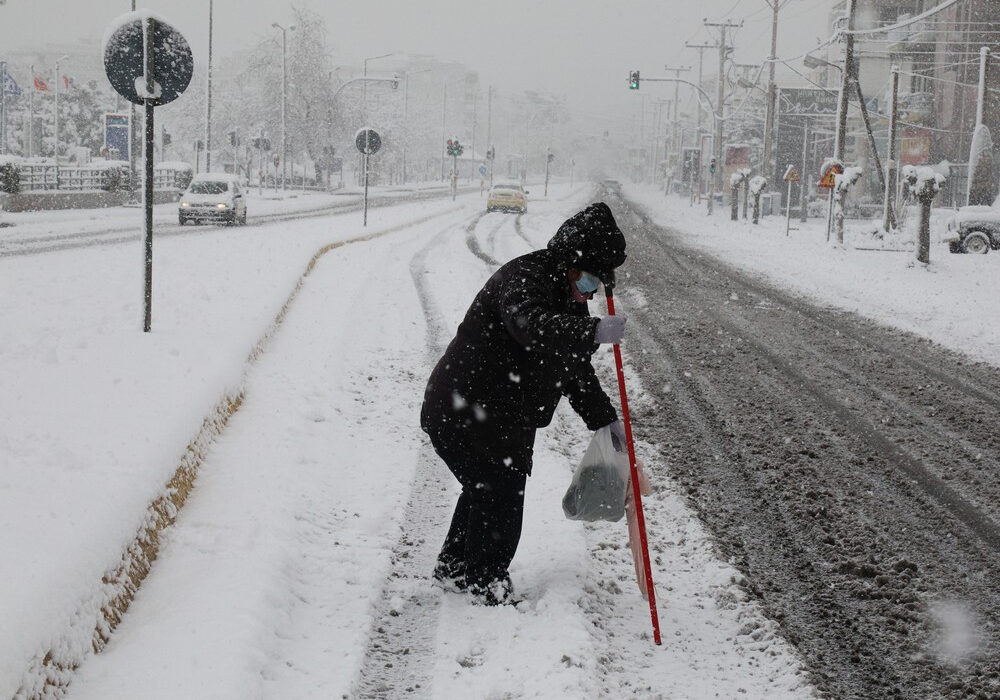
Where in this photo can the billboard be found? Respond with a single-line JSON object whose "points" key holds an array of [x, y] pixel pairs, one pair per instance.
{"points": [[807, 102], [797, 108], [116, 142]]}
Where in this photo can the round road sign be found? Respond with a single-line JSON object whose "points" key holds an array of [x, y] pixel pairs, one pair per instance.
{"points": [[368, 141], [124, 59]]}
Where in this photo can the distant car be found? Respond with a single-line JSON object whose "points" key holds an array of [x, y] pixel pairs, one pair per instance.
{"points": [[974, 229], [507, 196], [213, 197]]}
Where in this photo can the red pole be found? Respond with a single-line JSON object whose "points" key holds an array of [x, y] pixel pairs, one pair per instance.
{"points": [[633, 471]]}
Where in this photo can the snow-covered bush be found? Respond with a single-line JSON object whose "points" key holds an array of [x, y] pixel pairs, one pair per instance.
{"points": [[10, 175]]}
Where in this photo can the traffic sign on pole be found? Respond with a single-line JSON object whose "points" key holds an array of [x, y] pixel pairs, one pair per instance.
{"points": [[791, 174], [123, 60], [368, 141], [827, 181], [147, 62]]}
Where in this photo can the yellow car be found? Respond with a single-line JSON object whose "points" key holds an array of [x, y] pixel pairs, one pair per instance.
{"points": [[507, 196]]}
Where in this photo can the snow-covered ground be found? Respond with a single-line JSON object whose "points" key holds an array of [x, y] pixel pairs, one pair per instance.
{"points": [[267, 583], [952, 301]]}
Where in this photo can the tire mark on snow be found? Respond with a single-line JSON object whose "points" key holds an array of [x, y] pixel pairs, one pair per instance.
{"points": [[399, 659], [520, 232], [473, 242]]}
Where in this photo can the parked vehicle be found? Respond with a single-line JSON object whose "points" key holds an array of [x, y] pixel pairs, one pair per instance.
{"points": [[974, 229], [213, 197], [507, 196]]}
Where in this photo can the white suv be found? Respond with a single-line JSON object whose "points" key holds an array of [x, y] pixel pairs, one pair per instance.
{"points": [[213, 197]]}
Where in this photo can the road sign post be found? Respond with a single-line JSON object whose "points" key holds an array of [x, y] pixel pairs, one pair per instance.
{"points": [[368, 142], [147, 62], [791, 175]]}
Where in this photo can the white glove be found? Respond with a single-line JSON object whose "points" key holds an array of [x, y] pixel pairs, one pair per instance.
{"points": [[610, 329]]}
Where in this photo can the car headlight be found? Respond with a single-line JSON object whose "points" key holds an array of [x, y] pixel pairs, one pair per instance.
{"points": [[185, 205], [221, 206]]}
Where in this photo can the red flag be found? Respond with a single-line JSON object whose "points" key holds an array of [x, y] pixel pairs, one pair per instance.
{"points": [[40, 84]]}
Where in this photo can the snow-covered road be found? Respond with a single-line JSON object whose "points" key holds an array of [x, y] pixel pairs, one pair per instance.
{"points": [[318, 507]]}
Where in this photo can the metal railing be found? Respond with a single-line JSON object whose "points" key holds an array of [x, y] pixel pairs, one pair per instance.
{"points": [[49, 177]]}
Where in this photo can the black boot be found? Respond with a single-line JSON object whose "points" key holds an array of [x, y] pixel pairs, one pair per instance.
{"points": [[497, 592], [450, 576]]}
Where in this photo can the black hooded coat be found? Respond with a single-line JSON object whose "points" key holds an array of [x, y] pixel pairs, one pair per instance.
{"points": [[523, 344]]}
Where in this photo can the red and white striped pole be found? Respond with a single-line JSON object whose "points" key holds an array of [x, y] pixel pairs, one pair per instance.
{"points": [[634, 473]]}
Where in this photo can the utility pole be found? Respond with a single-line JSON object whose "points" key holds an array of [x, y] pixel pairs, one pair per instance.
{"points": [[673, 135], [984, 65], [848, 77], [475, 117], [208, 101], [804, 179], [889, 211], [489, 129], [444, 117], [133, 146], [3, 108], [721, 95], [772, 94], [701, 63]]}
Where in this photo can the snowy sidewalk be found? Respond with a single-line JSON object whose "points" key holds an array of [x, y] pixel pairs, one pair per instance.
{"points": [[952, 301]]}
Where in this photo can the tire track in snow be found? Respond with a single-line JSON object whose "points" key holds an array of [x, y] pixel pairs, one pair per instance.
{"points": [[473, 242], [399, 659], [521, 233]]}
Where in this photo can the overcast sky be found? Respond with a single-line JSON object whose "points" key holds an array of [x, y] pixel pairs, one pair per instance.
{"points": [[582, 49]]}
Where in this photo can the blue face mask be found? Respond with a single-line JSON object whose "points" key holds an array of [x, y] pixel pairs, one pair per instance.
{"points": [[587, 284]]}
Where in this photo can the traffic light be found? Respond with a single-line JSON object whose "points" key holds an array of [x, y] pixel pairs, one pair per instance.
{"points": [[450, 148], [459, 148], [711, 166], [633, 80], [166, 138], [491, 154], [552, 157], [454, 148], [234, 138]]}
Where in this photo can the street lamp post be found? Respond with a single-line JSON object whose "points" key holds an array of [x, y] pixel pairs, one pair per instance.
{"points": [[208, 97], [364, 85], [58, 61], [284, 96], [406, 93]]}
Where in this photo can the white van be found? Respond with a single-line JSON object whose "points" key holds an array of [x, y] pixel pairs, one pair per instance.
{"points": [[213, 197]]}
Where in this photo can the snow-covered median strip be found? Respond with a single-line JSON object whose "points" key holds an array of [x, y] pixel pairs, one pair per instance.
{"points": [[99, 414]]}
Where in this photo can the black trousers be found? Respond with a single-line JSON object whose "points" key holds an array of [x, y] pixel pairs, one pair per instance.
{"points": [[492, 467]]}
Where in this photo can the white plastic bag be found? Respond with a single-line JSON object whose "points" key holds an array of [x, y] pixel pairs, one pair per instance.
{"points": [[597, 491]]}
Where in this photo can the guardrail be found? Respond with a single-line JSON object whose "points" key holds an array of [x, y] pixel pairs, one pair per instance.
{"points": [[48, 177]]}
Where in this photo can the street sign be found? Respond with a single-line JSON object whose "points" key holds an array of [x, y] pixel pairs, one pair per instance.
{"points": [[807, 102], [827, 181], [368, 141], [482, 169], [124, 60], [149, 63], [791, 174]]}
